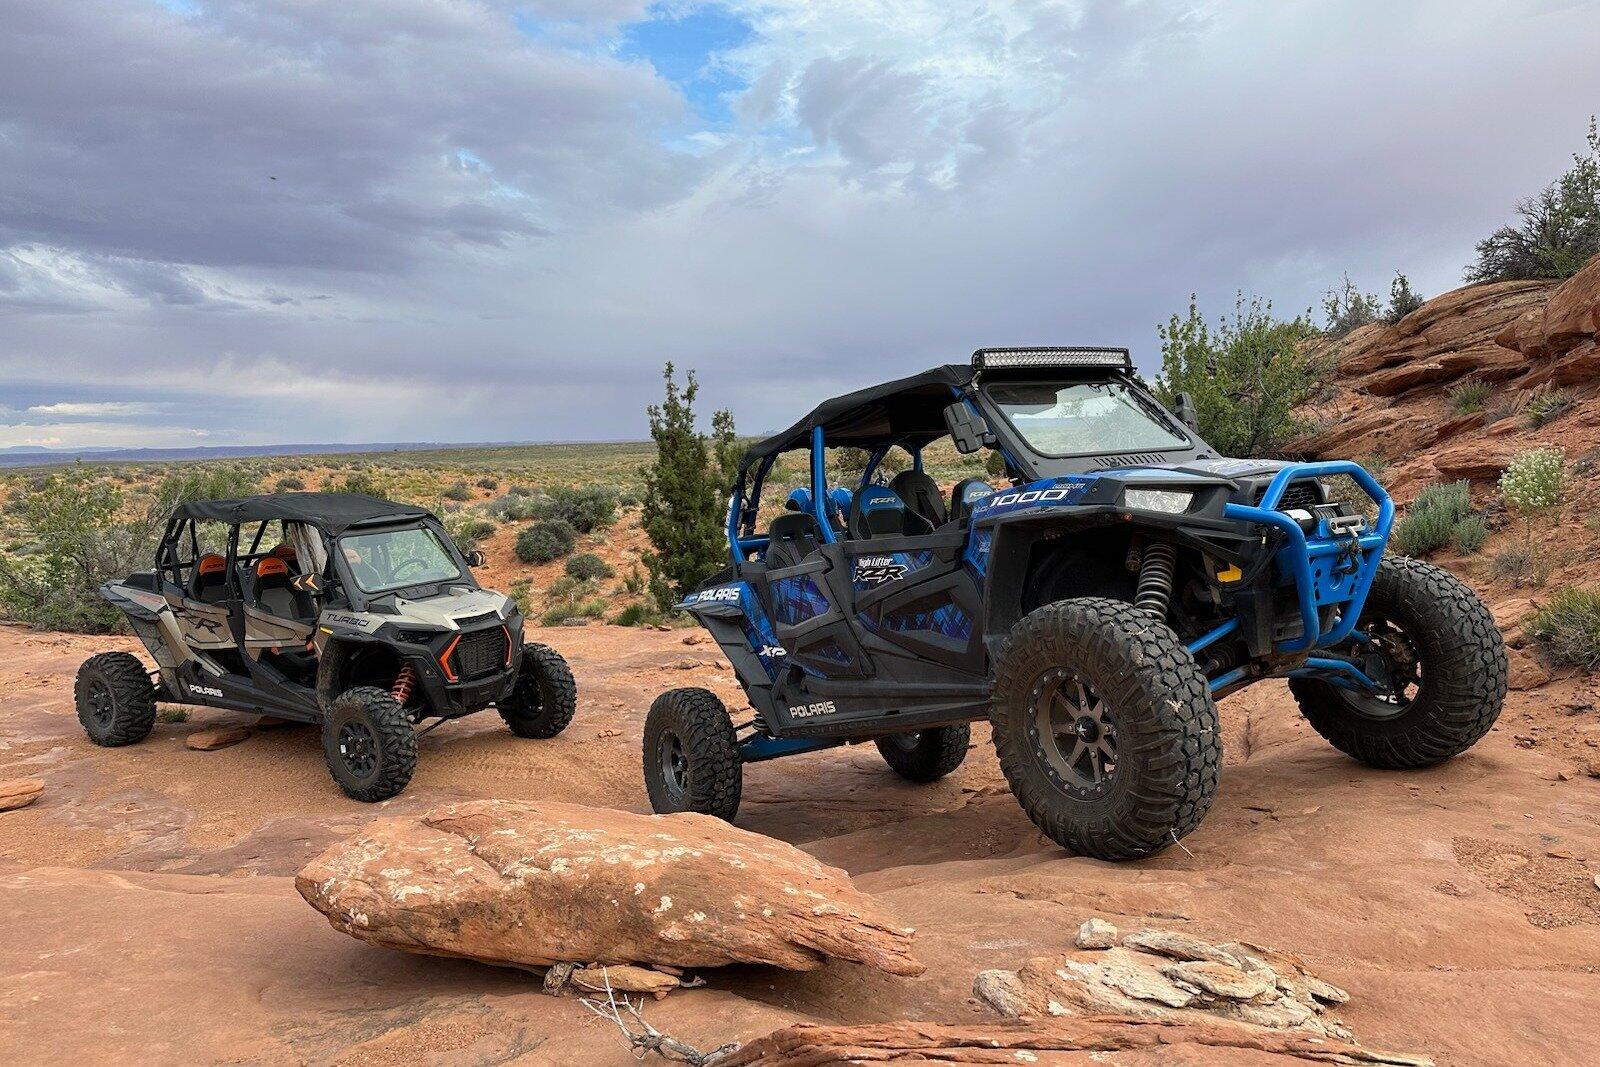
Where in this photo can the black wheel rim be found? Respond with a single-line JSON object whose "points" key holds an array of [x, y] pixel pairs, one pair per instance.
{"points": [[1389, 657], [102, 704], [1075, 732], [674, 765], [358, 749]]}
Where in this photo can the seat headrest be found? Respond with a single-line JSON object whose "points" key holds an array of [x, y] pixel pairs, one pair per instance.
{"points": [[877, 511], [210, 564], [841, 499], [285, 552], [271, 567], [798, 500], [921, 494]]}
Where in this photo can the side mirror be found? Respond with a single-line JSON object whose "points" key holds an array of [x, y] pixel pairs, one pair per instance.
{"points": [[306, 583], [1186, 411], [475, 558], [968, 429]]}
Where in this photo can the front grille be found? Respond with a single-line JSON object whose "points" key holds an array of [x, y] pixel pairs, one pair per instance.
{"points": [[478, 653], [1301, 495]]}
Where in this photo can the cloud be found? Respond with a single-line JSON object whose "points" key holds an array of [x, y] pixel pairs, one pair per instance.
{"points": [[424, 220], [96, 435], [96, 409]]}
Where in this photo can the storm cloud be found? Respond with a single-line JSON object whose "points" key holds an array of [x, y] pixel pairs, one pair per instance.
{"points": [[291, 220]]}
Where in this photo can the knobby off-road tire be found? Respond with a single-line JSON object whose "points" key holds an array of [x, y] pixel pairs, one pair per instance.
{"points": [[1152, 701], [1463, 673], [926, 755], [116, 699], [545, 697], [691, 757], [369, 744]]}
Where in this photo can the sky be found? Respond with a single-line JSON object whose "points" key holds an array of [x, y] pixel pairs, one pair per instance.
{"points": [[277, 221]]}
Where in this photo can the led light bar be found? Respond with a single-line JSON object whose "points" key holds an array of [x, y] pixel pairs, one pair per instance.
{"points": [[1116, 358]]}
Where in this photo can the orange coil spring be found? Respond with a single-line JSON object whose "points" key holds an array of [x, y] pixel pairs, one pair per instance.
{"points": [[405, 683]]}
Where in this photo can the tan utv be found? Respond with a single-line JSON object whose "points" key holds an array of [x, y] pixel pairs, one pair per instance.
{"points": [[357, 614]]}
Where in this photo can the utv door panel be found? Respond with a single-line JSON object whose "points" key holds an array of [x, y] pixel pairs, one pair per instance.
{"points": [[263, 629], [205, 626], [914, 596], [809, 617]]}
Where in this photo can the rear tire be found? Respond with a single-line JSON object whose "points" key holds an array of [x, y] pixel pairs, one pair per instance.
{"points": [[926, 755], [1105, 728], [1457, 660], [116, 699], [369, 744], [545, 697], [691, 757]]}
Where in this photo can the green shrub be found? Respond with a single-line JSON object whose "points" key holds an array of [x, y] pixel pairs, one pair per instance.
{"points": [[1532, 483], [634, 581], [1431, 522], [1470, 534], [544, 541], [994, 464], [637, 615], [360, 482], [1402, 300], [467, 528], [289, 484], [1468, 395], [514, 507], [1246, 376], [1348, 308], [1514, 564], [586, 509], [1568, 628], [171, 714], [522, 593], [556, 614], [457, 491], [1559, 229], [490, 484], [586, 565], [1544, 406]]}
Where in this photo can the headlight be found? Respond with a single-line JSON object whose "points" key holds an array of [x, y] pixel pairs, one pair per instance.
{"points": [[1171, 501]]}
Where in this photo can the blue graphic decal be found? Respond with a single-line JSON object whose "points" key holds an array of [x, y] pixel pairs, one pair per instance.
{"points": [[797, 599], [947, 620], [753, 621], [977, 553]]}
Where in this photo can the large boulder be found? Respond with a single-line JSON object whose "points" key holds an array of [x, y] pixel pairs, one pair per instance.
{"points": [[538, 884]]}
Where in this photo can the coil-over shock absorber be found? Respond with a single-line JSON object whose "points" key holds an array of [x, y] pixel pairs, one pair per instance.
{"points": [[1156, 570]]}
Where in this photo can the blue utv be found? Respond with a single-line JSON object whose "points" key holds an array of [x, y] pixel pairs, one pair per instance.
{"points": [[1093, 607]]}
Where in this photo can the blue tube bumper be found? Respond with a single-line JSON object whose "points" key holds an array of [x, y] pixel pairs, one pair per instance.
{"points": [[1325, 570]]}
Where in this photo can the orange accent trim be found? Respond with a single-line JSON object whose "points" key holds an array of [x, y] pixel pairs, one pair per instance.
{"points": [[271, 566], [506, 630], [211, 563], [444, 659]]}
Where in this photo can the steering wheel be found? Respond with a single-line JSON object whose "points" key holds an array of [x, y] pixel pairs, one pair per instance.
{"points": [[399, 570]]}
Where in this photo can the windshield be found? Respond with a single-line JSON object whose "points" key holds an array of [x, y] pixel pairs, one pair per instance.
{"points": [[393, 559], [1084, 417]]}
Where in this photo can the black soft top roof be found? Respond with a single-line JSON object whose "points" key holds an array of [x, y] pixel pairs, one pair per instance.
{"points": [[909, 409], [332, 512]]}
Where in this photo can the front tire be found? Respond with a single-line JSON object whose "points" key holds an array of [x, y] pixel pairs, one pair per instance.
{"points": [[926, 755], [545, 697], [369, 744], [115, 698], [1446, 661], [1105, 728], [691, 756]]}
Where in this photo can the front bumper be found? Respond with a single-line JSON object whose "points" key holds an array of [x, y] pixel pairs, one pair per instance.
{"points": [[1324, 571]]}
